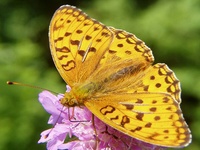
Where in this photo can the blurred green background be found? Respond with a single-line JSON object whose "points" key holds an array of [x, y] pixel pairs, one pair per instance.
{"points": [[170, 28]]}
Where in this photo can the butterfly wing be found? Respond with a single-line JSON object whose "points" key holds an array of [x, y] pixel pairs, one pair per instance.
{"points": [[82, 47], [75, 40], [144, 105], [125, 57], [127, 46], [151, 117], [157, 78]]}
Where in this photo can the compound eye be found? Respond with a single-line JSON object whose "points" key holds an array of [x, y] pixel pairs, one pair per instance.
{"points": [[64, 101]]}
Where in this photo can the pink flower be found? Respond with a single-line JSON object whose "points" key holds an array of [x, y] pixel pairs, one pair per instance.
{"points": [[79, 129]]}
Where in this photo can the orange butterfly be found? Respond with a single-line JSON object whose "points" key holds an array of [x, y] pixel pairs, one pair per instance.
{"points": [[110, 72]]}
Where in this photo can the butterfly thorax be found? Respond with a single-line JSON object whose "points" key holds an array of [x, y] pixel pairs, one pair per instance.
{"points": [[79, 94]]}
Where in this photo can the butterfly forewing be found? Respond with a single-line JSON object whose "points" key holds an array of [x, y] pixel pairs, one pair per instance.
{"points": [[77, 41], [127, 56], [127, 45]]}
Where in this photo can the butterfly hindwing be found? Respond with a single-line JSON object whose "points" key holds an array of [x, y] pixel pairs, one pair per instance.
{"points": [[152, 117]]}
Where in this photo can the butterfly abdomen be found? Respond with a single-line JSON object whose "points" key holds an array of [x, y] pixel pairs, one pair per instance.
{"points": [[125, 72]]}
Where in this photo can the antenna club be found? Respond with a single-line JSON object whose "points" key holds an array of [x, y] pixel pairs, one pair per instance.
{"points": [[9, 82]]}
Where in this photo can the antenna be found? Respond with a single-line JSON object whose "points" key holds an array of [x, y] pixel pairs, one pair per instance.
{"points": [[28, 85]]}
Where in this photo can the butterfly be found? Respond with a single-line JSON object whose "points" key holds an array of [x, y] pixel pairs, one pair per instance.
{"points": [[111, 72]]}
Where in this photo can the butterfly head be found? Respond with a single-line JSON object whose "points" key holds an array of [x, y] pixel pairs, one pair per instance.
{"points": [[69, 100]]}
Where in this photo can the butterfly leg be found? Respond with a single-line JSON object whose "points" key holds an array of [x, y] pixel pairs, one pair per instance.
{"points": [[71, 115], [96, 135]]}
